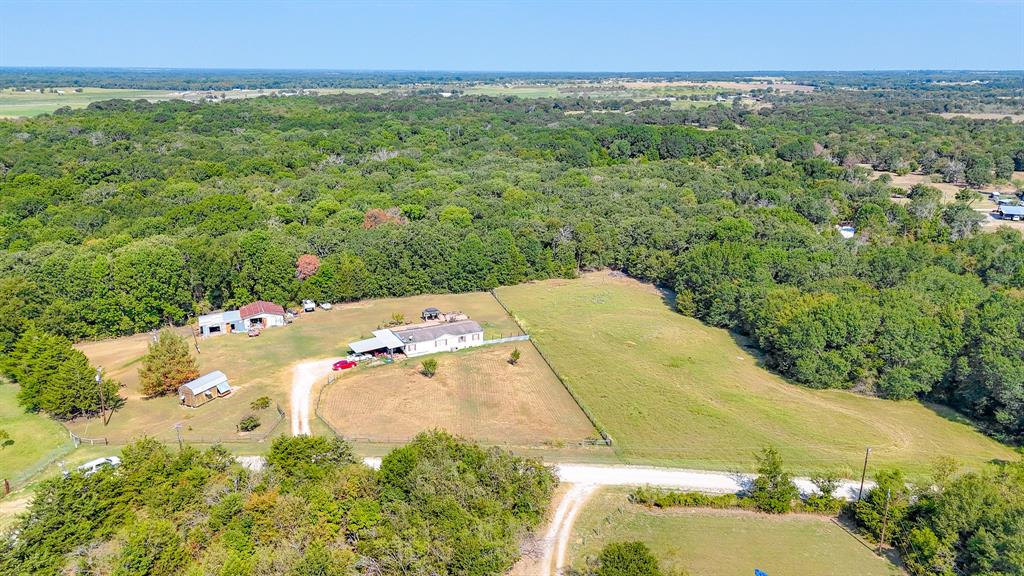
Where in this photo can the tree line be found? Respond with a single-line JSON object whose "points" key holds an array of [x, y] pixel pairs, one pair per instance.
{"points": [[436, 506]]}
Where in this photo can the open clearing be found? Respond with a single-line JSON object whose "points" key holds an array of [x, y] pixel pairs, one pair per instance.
{"points": [[775, 84], [984, 116], [637, 90], [724, 542], [14, 104], [37, 438], [672, 391], [258, 366], [476, 393]]}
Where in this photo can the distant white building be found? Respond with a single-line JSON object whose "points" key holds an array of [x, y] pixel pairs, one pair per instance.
{"points": [[425, 338]]}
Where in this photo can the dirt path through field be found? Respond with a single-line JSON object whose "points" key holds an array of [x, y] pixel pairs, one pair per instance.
{"points": [[559, 532], [11, 506], [304, 376]]}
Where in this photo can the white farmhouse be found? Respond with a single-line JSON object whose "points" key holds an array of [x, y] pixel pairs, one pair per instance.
{"points": [[445, 337], [425, 338]]}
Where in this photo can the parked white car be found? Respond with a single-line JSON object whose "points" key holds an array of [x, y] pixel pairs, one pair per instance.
{"points": [[93, 466], [309, 305], [326, 305]]}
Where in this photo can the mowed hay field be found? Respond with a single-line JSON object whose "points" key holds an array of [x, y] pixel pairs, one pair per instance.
{"points": [[258, 367], [14, 103], [476, 393], [705, 542], [37, 438], [673, 391]]}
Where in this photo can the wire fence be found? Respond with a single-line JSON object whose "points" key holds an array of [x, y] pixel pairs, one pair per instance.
{"points": [[25, 476], [586, 411], [316, 409]]}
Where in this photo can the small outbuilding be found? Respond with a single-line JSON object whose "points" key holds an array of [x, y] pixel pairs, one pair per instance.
{"points": [[1009, 212], [261, 314], [203, 389], [431, 314], [217, 323]]}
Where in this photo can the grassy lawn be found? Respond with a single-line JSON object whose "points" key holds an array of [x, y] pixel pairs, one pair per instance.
{"points": [[37, 438], [673, 391], [258, 366], [724, 542], [476, 393], [14, 104]]}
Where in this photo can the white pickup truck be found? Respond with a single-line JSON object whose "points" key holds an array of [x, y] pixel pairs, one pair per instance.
{"points": [[93, 466]]}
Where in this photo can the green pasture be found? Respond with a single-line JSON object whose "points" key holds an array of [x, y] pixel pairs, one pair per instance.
{"points": [[702, 542], [673, 391]]}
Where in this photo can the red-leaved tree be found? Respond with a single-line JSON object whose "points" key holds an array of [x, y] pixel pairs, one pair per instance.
{"points": [[306, 266]]}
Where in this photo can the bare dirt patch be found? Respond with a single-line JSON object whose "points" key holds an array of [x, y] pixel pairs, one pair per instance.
{"points": [[476, 393]]}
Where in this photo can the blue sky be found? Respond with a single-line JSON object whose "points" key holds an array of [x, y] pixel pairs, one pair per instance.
{"points": [[526, 35]]}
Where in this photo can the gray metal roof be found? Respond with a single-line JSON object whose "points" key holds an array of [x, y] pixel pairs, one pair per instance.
{"points": [[435, 331], [1016, 210], [388, 338], [215, 379], [217, 318], [381, 339], [368, 345]]}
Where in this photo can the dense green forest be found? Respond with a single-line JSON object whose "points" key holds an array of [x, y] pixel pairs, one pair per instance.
{"points": [[129, 215], [436, 506], [969, 523]]}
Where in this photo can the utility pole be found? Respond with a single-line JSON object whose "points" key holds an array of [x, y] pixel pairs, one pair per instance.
{"points": [[103, 395], [195, 339], [864, 473], [885, 520], [177, 430]]}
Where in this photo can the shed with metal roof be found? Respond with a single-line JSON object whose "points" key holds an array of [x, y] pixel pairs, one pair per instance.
{"points": [[203, 389]]}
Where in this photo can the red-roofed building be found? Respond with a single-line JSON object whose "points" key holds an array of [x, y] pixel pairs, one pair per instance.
{"points": [[262, 314]]}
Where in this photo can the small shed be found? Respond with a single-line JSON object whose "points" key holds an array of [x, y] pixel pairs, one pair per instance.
{"points": [[261, 314], [217, 323], [203, 389]]}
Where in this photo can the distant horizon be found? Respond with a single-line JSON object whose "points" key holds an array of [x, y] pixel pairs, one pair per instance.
{"points": [[523, 36], [514, 71]]}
